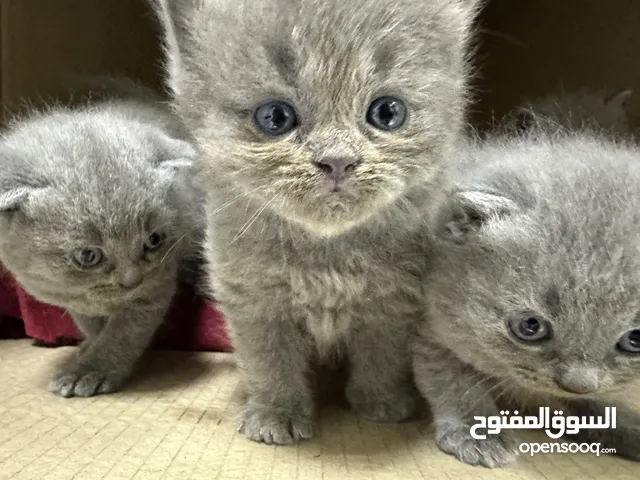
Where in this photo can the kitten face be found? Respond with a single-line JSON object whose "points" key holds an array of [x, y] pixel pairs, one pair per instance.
{"points": [[325, 112], [537, 272], [99, 219]]}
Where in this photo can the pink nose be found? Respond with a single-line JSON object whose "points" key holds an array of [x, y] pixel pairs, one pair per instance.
{"points": [[131, 278], [337, 168]]}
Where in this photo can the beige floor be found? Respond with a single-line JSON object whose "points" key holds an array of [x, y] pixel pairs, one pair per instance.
{"points": [[177, 421]]}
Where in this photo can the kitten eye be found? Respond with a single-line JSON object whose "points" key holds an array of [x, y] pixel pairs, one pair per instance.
{"points": [[87, 257], [387, 113], [530, 328], [630, 342], [154, 241], [275, 117]]}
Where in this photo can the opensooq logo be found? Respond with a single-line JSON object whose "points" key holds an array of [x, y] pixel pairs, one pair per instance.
{"points": [[555, 426]]}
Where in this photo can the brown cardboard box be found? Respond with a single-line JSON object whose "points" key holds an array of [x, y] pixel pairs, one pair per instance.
{"points": [[530, 48], [44, 42]]}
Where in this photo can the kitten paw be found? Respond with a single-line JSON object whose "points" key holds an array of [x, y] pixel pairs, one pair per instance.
{"points": [[84, 383], [494, 451], [270, 426], [398, 408]]}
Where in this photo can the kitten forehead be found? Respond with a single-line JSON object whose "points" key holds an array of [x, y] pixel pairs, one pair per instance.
{"points": [[101, 166], [111, 149], [573, 246], [322, 46]]}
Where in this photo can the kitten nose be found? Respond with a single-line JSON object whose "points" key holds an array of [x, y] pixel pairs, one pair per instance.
{"points": [[132, 277], [577, 379], [337, 168]]}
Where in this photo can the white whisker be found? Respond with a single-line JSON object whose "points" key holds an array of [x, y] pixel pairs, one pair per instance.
{"points": [[232, 201], [172, 247], [252, 219]]}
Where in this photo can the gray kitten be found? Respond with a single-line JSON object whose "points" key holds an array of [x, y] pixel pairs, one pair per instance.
{"points": [[532, 290], [325, 127], [97, 215], [577, 110]]}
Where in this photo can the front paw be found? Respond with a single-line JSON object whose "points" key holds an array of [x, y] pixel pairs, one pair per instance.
{"points": [[85, 382], [275, 426], [494, 451], [394, 407]]}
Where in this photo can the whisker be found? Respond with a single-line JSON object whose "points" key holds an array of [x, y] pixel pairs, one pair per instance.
{"points": [[232, 201], [482, 397], [477, 384], [252, 219], [172, 247]]}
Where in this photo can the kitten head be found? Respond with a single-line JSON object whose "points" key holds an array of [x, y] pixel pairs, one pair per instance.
{"points": [[536, 273], [323, 111], [577, 110], [93, 204]]}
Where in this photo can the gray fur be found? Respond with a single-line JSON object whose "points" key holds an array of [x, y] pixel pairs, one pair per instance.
{"points": [[577, 110], [102, 176], [549, 225], [302, 273]]}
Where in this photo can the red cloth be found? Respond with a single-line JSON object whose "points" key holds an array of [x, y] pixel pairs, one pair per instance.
{"points": [[192, 323]]}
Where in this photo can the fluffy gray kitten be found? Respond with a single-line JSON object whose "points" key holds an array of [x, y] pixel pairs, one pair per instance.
{"points": [[97, 215], [325, 127], [533, 290], [577, 110]]}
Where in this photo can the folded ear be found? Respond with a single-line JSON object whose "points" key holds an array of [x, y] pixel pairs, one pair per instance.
{"points": [[176, 154], [524, 119], [466, 211], [173, 16], [12, 196], [620, 99], [16, 182]]}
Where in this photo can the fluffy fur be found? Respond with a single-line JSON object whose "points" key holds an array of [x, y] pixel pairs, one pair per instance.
{"points": [[303, 271], [578, 110], [545, 226], [104, 177]]}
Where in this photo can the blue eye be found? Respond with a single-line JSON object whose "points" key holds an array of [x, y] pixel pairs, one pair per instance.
{"points": [[630, 342], [154, 241], [387, 113], [275, 118], [87, 257], [530, 328]]}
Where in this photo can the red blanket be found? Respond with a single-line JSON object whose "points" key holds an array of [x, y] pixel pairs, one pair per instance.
{"points": [[192, 323]]}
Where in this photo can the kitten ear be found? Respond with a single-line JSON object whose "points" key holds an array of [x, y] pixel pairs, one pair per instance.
{"points": [[177, 154], [13, 196], [620, 99], [524, 119], [16, 185], [174, 18], [466, 211]]}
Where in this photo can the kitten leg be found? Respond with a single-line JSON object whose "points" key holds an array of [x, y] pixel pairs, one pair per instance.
{"points": [[109, 360], [274, 357], [380, 386], [90, 327], [456, 393], [625, 438]]}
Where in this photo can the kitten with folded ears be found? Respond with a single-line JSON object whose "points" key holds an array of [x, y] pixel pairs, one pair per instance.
{"points": [[532, 290], [98, 215], [325, 127], [578, 110]]}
